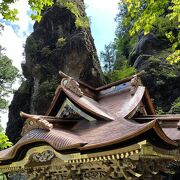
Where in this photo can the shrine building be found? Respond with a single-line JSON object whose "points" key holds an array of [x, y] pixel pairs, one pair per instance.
{"points": [[110, 132]]}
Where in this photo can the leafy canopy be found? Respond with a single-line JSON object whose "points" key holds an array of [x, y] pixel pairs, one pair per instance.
{"points": [[4, 141], [8, 74], [108, 57], [115, 66], [159, 16], [37, 6]]}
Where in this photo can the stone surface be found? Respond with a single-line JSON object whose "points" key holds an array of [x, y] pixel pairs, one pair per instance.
{"points": [[162, 79], [56, 44], [146, 46]]}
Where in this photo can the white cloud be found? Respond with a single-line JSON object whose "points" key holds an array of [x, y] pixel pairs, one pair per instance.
{"points": [[13, 45], [23, 16]]}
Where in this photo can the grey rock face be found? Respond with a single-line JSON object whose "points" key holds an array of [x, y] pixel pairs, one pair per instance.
{"points": [[161, 79], [146, 46], [56, 44]]}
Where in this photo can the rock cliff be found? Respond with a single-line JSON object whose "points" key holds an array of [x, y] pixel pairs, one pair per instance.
{"points": [[162, 79], [56, 44]]}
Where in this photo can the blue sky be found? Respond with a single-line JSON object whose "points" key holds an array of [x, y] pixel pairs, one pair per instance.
{"points": [[101, 13]]}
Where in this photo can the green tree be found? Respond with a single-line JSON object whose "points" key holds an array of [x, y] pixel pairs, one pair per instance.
{"points": [[37, 6], [108, 57], [8, 74], [4, 141], [115, 67]]}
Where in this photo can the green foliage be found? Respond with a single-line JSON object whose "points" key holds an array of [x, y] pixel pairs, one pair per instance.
{"points": [[60, 42], [46, 51], [115, 67], [6, 12], [4, 141], [122, 73], [2, 176], [162, 80], [174, 57], [37, 6], [31, 45], [8, 74], [11, 14], [159, 16], [108, 57], [81, 21], [175, 108], [159, 111]]}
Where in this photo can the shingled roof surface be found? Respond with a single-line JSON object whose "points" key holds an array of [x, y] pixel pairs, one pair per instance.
{"points": [[112, 106]]}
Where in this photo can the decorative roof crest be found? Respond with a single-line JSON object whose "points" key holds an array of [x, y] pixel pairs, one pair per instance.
{"points": [[35, 123], [135, 82], [71, 84]]}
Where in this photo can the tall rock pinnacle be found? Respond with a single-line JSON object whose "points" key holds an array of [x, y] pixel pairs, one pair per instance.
{"points": [[56, 44]]}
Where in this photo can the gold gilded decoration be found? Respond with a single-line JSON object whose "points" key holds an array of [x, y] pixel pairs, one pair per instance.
{"points": [[72, 85], [35, 123], [115, 169], [45, 162], [43, 156], [135, 82]]}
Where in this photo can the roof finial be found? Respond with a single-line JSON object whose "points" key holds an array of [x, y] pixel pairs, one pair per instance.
{"points": [[70, 84], [135, 82]]}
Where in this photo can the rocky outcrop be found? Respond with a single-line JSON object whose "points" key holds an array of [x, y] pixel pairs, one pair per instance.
{"points": [[56, 44], [162, 79], [147, 46]]}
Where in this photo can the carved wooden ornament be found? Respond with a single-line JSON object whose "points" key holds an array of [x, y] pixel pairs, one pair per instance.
{"points": [[44, 156], [35, 123], [135, 82], [71, 85]]}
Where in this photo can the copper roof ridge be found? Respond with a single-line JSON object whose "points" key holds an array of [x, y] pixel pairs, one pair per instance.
{"points": [[107, 85], [119, 81], [63, 75]]}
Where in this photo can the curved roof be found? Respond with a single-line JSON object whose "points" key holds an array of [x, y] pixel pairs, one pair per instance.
{"points": [[112, 108], [58, 139]]}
